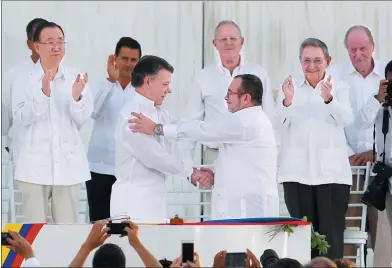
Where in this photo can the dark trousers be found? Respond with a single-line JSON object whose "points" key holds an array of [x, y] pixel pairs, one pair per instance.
{"points": [[325, 207], [99, 190]]}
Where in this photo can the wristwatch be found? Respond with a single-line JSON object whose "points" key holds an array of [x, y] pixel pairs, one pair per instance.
{"points": [[158, 129]]}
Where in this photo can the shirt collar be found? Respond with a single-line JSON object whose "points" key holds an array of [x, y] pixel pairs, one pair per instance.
{"points": [[378, 70], [39, 71], [143, 100], [223, 69]]}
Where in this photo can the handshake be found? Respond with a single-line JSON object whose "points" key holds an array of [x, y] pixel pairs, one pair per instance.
{"points": [[203, 176]]}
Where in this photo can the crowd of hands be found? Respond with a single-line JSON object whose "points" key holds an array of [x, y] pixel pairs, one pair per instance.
{"points": [[99, 234]]}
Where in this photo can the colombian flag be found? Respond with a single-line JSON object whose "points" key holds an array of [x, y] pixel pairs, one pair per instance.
{"points": [[29, 232]]}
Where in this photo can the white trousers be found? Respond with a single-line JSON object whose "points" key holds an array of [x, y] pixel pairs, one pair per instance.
{"points": [[63, 200]]}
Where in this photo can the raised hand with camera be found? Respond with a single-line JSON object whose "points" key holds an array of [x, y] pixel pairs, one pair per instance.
{"points": [[383, 91], [133, 237], [95, 239]]}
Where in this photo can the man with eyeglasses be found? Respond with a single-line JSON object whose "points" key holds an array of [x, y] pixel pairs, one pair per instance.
{"points": [[365, 75], [49, 105], [244, 182], [313, 110], [7, 129], [206, 99]]}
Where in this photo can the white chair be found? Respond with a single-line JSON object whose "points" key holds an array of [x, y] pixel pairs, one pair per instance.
{"points": [[357, 236]]}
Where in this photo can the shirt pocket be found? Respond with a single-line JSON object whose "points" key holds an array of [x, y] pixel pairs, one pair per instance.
{"points": [[331, 161], [294, 161]]}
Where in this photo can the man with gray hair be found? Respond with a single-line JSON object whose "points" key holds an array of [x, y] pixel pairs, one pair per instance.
{"points": [[313, 110], [206, 99], [365, 76]]}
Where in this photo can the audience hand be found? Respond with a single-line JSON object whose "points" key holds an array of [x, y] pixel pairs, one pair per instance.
{"points": [[382, 91], [20, 245], [177, 263], [133, 233], [220, 259], [252, 260], [97, 235]]}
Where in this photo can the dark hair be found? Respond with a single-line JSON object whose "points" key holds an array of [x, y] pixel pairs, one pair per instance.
{"points": [[287, 263], [344, 263], [252, 85], [388, 68], [129, 43], [148, 66], [42, 26], [165, 263], [109, 255], [30, 28]]}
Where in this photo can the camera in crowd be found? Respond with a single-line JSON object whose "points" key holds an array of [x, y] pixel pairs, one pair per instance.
{"points": [[269, 258], [376, 192], [388, 98]]}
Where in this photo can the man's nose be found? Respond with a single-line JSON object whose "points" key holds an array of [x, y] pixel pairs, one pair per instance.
{"points": [[168, 90]]}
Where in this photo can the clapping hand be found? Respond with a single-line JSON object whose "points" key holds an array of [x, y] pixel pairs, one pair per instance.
{"points": [[288, 90], [78, 86], [326, 88]]}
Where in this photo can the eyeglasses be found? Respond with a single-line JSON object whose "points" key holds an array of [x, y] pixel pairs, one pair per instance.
{"points": [[231, 39], [229, 92], [54, 44], [317, 62]]}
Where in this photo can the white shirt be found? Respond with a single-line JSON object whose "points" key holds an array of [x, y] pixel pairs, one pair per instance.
{"points": [[109, 99], [31, 262], [313, 147], [362, 91], [142, 161], [51, 151], [245, 171], [6, 109], [206, 100], [368, 121]]}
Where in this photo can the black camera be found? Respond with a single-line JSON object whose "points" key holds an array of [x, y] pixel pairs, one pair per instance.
{"points": [[388, 98], [269, 258], [376, 192]]}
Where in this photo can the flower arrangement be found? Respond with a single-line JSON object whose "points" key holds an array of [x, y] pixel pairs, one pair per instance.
{"points": [[317, 240]]}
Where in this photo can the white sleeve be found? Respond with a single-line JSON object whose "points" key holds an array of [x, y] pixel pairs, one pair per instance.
{"points": [[151, 153], [340, 106], [228, 129], [100, 93], [81, 111], [28, 108], [31, 262]]}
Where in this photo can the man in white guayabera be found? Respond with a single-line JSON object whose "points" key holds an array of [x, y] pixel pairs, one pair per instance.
{"points": [[245, 183]]}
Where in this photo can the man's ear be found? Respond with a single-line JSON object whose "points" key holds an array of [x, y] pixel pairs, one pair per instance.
{"points": [[329, 59]]}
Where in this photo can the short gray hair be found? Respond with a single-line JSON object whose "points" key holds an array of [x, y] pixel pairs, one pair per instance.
{"points": [[224, 22], [313, 42], [359, 27]]}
